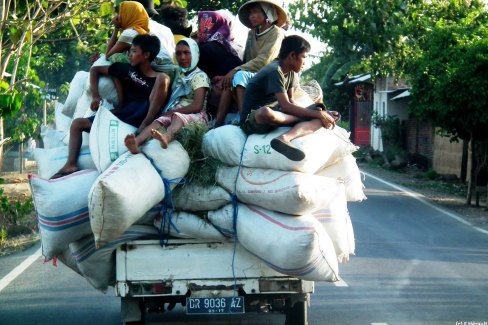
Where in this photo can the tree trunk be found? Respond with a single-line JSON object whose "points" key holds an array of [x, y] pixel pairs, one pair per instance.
{"points": [[472, 174], [464, 161]]}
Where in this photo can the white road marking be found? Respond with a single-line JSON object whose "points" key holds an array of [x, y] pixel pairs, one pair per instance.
{"points": [[5, 281], [341, 283], [421, 198], [379, 323]]}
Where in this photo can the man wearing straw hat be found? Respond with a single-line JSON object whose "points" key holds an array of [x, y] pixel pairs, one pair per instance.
{"points": [[265, 19]]}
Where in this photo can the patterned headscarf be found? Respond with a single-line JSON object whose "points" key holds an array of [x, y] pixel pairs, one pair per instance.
{"points": [[214, 27], [133, 15]]}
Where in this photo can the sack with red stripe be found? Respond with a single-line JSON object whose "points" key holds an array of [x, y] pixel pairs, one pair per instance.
{"points": [[62, 209], [336, 222], [278, 190], [98, 265], [293, 245]]}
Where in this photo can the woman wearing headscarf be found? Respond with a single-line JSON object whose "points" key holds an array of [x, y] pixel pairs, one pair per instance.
{"points": [[187, 102], [131, 20], [217, 55], [264, 18]]}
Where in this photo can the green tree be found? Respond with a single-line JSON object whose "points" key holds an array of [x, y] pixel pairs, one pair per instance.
{"points": [[448, 72]]}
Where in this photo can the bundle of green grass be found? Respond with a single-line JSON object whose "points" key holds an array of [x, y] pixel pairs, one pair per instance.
{"points": [[202, 169]]}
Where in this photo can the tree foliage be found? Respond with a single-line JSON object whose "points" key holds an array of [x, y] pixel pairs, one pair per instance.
{"points": [[448, 69]]}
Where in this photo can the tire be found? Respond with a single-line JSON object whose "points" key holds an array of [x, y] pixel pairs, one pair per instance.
{"points": [[297, 314]]}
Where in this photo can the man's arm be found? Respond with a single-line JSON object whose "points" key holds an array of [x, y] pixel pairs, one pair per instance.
{"points": [[157, 99], [95, 73], [289, 108]]}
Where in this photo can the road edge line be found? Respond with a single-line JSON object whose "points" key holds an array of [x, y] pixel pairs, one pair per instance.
{"points": [[421, 198], [6, 280]]}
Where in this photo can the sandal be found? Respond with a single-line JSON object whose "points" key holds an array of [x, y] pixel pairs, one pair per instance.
{"points": [[287, 149]]}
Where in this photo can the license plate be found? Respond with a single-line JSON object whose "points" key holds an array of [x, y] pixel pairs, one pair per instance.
{"points": [[223, 305]]}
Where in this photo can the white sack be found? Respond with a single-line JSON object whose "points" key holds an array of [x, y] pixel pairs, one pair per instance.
{"points": [[50, 161], [334, 219], [148, 217], [296, 246], [277, 190], [82, 110], [51, 138], [350, 236], [348, 170], [107, 136], [98, 265], [76, 88], [61, 121], [322, 148], [62, 209], [121, 195], [224, 144], [186, 225], [200, 198], [172, 163]]}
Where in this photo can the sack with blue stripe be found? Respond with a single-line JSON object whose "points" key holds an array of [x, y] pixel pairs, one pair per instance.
{"points": [[98, 265], [62, 209]]}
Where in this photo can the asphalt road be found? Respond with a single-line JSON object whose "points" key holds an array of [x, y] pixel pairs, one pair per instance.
{"points": [[414, 264]]}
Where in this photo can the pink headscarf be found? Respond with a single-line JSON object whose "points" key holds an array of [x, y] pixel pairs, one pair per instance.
{"points": [[214, 27]]}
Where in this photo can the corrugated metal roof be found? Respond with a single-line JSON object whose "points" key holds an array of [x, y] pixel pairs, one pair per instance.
{"points": [[406, 93]]}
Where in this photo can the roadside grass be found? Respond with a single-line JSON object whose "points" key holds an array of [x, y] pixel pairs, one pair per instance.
{"points": [[18, 222]]}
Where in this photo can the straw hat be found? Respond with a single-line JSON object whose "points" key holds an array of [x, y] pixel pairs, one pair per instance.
{"points": [[244, 15]]}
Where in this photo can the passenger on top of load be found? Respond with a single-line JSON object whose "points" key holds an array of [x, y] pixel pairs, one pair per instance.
{"points": [[164, 60], [217, 56], [176, 18], [142, 89], [130, 20], [265, 18], [186, 104], [268, 102]]}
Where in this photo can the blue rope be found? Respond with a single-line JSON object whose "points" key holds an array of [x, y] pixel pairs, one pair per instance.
{"points": [[168, 209], [168, 205], [235, 212]]}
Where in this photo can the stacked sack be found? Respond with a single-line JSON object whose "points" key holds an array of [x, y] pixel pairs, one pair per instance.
{"points": [[114, 197], [292, 215]]}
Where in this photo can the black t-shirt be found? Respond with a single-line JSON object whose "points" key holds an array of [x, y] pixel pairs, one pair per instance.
{"points": [[215, 60], [261, 89], [136, 86]]}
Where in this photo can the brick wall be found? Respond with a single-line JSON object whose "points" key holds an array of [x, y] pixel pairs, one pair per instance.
{"points": [[419, 138]]}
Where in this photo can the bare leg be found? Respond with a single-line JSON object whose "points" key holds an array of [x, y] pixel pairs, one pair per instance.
{"points": [[75, 138], [132, 142], [173, 129], [224, 103], [240, 91]]}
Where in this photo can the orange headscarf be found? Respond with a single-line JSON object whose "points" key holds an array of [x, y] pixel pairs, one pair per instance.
{"points": [[133, 15]]}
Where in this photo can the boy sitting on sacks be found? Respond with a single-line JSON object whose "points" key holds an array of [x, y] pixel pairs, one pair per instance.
{"points": [[141, 90], [268, 101]]}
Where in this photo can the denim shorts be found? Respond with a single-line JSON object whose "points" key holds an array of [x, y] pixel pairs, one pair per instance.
{"points": [[242, 78]]}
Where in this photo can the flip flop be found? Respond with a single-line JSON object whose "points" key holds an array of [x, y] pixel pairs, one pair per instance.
{"points": [[287, 149]]}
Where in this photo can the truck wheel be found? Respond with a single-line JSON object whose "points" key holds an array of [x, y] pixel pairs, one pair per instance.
{"points": [[297, 314]]}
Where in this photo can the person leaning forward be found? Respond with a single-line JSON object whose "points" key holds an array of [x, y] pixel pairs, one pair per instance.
{"points": [[141, 90], [268, 101]]}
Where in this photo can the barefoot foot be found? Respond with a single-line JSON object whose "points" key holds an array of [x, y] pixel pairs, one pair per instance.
{"points": [[131, 143], [164, 139], [65, 171]]}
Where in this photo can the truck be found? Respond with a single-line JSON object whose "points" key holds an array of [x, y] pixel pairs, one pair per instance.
{"points": [[206, 277]]}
